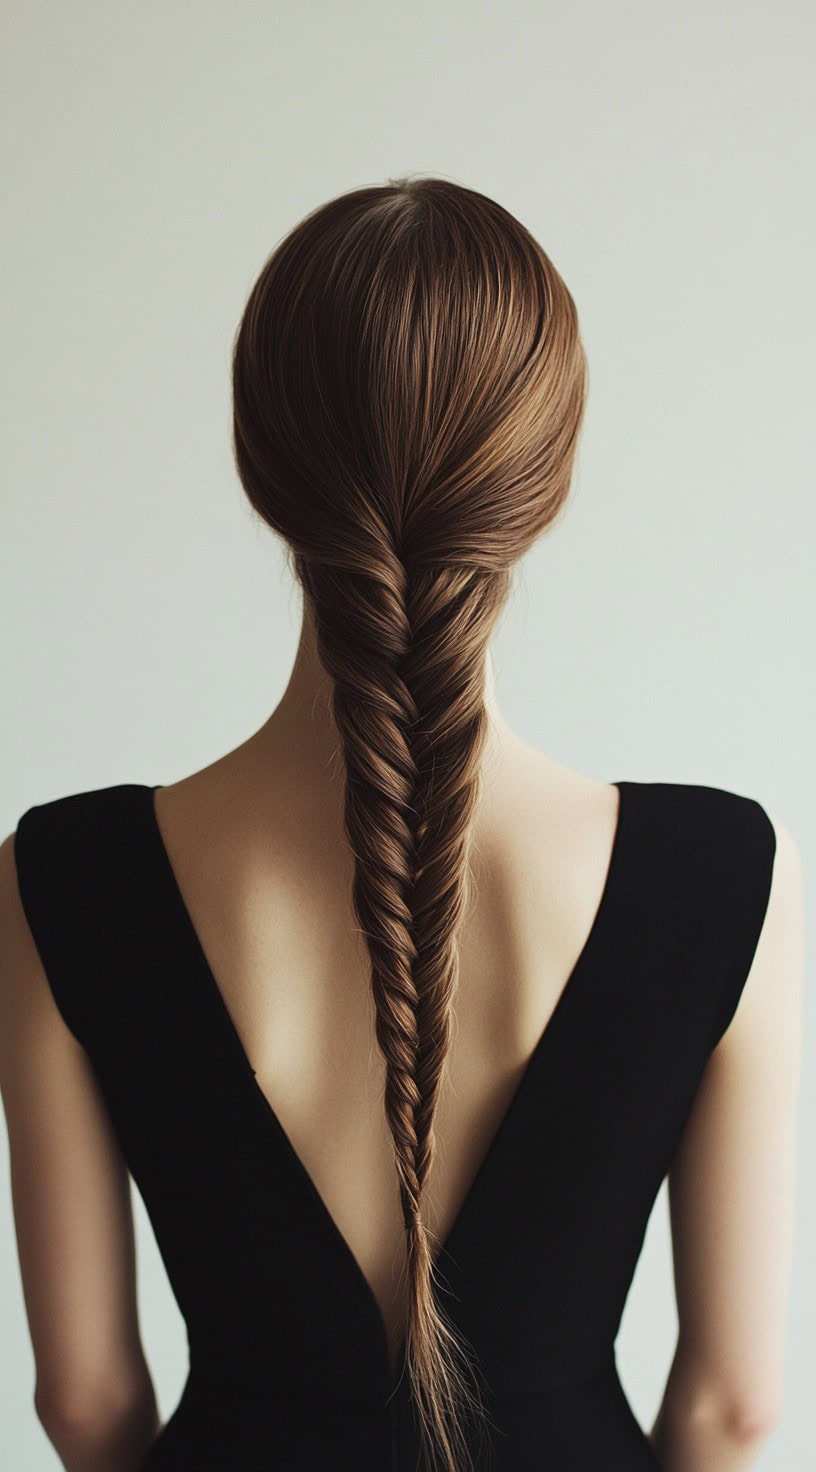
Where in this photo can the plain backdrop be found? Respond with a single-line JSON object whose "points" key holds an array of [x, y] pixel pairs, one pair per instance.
{"points": [[663, 154]]}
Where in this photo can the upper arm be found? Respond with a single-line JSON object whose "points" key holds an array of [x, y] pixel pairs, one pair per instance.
{"points": [[731, 1182], [70, 1186]]}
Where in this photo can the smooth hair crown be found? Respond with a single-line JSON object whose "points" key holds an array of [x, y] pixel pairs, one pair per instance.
{"points": [[408, 388]]}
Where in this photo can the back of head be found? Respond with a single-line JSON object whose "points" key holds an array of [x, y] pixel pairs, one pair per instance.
{"points": [[408, 385]]}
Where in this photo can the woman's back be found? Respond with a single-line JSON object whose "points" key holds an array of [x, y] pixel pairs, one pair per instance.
{"points": [[258, 856], [198, 934]]}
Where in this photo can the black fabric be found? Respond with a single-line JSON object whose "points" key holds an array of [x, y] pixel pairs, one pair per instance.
{"points": [[288, 1365]]}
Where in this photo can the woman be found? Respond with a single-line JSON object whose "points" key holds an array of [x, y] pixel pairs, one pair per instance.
{"points": [[398, 1023]]}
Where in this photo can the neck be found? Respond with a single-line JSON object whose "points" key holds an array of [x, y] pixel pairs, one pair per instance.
{"points": [[302, 725]]}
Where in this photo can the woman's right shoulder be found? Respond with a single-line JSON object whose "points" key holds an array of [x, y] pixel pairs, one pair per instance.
{"points": [[768, 1014], [732, 1178]]}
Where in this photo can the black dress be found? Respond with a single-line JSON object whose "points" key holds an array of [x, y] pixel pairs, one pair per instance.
{"points": [[288, 1360]]}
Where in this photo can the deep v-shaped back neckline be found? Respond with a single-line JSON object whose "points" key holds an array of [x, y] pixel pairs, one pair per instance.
{"points": [[213, 998]]}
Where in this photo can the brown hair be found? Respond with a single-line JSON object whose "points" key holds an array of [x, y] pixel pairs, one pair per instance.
{"points": [[408, 387]]}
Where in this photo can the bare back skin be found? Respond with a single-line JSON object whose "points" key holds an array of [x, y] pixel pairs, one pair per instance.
{"points": [[265, 877]]}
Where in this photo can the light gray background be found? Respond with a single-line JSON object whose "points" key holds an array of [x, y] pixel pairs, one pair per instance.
{"points": [[663, 155]]}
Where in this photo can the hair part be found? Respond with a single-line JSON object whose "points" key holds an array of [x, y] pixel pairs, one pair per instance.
{"points": [[408, 388]]}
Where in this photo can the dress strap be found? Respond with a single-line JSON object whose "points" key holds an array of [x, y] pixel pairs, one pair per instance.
{"points": [[78, 869]]}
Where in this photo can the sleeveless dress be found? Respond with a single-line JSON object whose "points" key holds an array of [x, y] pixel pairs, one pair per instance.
{"points": [[288, 1359]]}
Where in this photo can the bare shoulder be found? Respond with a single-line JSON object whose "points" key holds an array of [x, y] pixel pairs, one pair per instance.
{"points": [[551, 831], [555, 808]]}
